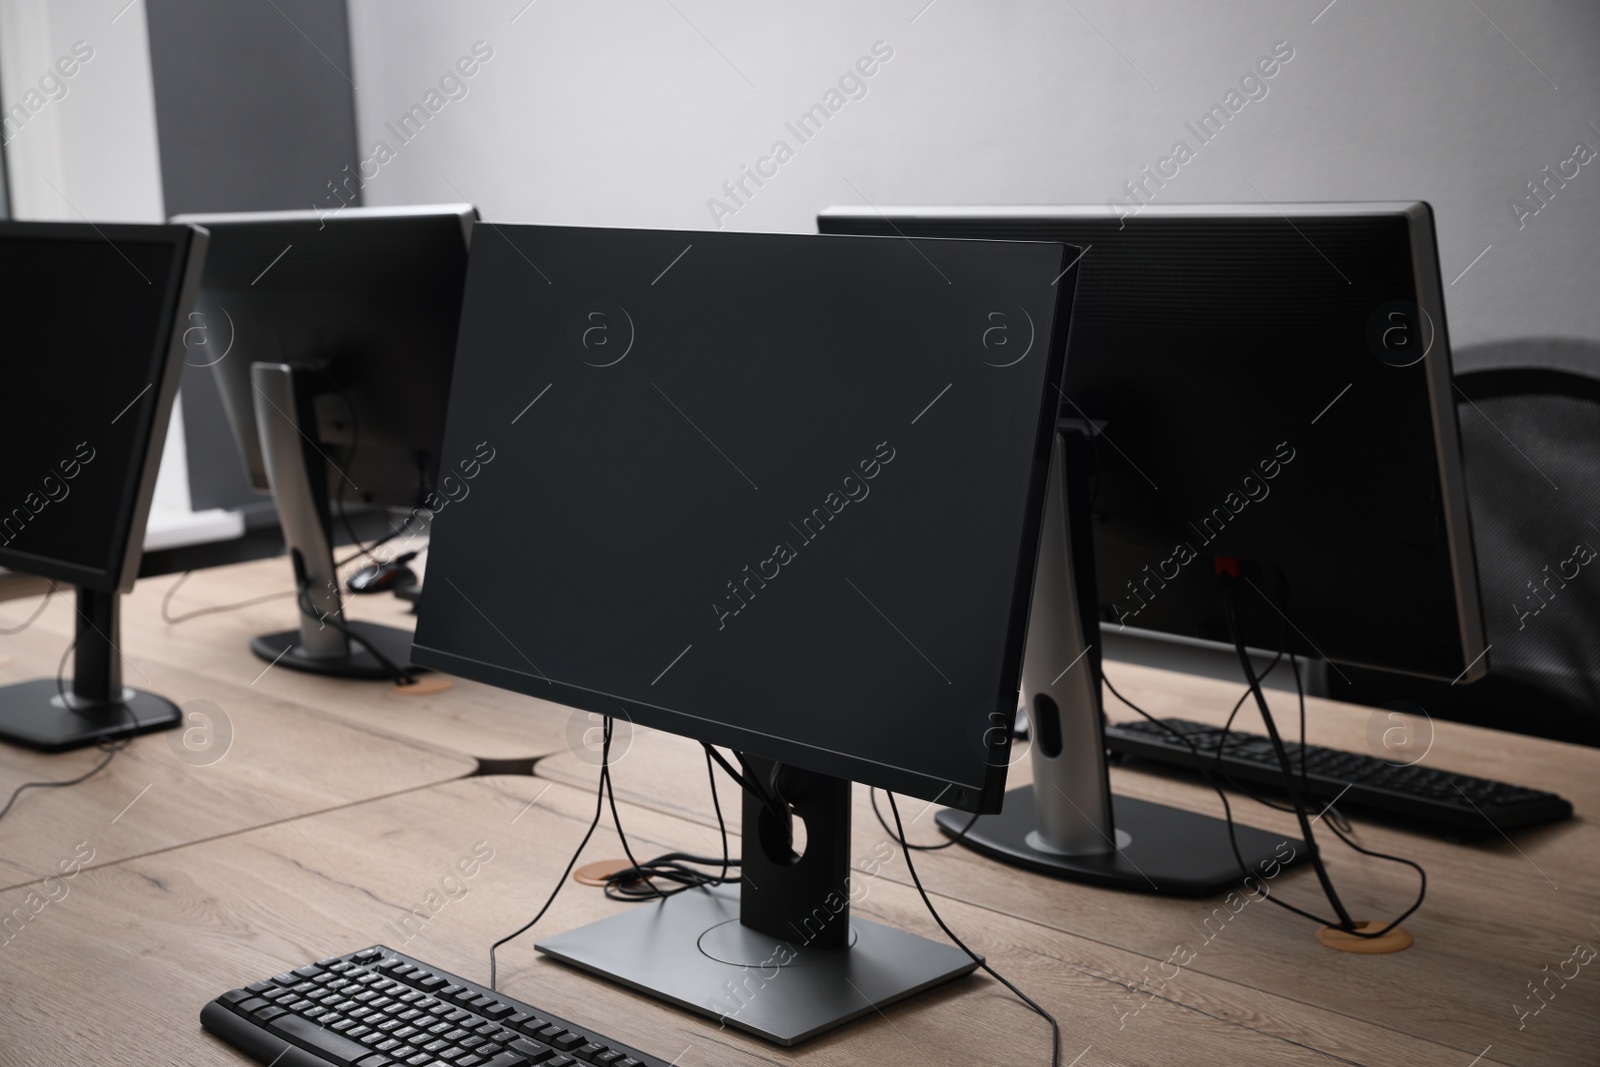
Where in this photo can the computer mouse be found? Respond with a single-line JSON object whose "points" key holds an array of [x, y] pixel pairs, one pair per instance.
{"points": [[382, 577]]}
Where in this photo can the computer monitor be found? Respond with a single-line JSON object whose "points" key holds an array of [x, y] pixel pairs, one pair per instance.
{"points": [[332, 336], [779, 493], [93, 321], [1258, 390]]}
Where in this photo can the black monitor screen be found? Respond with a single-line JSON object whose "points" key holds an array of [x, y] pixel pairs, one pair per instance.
{"points": [[87, 327], [779, 493]]}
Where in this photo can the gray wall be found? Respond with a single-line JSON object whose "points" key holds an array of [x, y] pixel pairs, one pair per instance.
{"points": [[611, 113], [254, 112], [254, 105]]}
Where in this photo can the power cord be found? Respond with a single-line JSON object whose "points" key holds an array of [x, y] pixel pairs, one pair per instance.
{"points": [[166, 601], [401, 675], [673, 866], [1055, 1029], [110, 748], [670, 867], [13, 631], [872, 794], [599, 806], [1285, 765]]}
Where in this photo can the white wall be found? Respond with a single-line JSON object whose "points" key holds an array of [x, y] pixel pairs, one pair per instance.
{"points": [[91, 153], [87, 148], [634, 112]]}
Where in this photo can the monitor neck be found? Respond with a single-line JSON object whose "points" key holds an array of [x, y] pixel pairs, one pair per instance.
{"points": [[1061, 666], [97, 656], [297, 471], [803, 900]]}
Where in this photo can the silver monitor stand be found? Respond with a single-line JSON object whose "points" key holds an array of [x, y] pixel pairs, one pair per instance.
{"points": [[1068, 823], [297, 473]]}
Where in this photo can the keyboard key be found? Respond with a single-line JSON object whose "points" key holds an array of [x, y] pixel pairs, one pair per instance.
{"points": [[332, 1046], [508, 1059], [364, 1019], [535, 1052]]}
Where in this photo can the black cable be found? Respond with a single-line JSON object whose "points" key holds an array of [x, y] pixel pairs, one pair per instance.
{"points": [[750, 783], [1055, 1029], [599, 806], [872, 794], [643, 875], [1301, 815], [48, 593], [401, 675], [111, 748], [1227, 808], [716, 804], [672, 866], [169, 618], [338, 497], [349, 461]]}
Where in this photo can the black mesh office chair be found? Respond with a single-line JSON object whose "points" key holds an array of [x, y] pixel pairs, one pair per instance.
{"points": [[1531, 449]]}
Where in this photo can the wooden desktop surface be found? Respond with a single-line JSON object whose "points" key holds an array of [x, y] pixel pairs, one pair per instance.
{"points": [[341, 805]]}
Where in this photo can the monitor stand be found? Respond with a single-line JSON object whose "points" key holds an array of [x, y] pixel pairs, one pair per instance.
{"points": [[297, 473], [779, 956], [1068, 823], [54, 716]]}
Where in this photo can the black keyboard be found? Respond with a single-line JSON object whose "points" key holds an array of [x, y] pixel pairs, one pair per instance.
{"points": [[376, 1007], [1453, 802]]}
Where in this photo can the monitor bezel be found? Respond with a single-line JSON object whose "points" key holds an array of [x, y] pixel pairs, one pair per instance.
{"points": [[982, 797], [137, 492]]}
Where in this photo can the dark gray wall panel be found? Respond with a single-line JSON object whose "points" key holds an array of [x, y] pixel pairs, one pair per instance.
{"points": [[254, 112]]}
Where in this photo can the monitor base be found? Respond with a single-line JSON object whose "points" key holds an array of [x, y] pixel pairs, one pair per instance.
{"points": [[33, 714], [285, 649], [1161, 849], [692, 951]]}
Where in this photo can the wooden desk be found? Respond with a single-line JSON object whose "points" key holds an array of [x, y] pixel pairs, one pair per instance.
{"points": [[198, 883], [472, 720], [264, 759], [1497, 910], [146, 942]]}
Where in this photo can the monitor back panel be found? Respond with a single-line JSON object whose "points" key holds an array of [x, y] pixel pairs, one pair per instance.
{"points": [[1270, 391], [372, 299]]}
